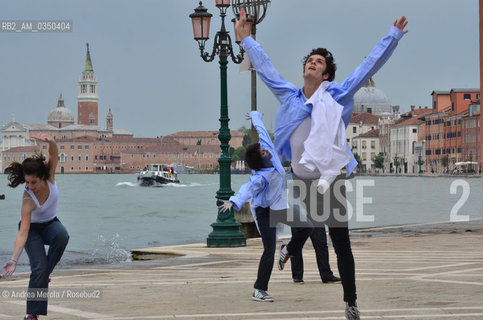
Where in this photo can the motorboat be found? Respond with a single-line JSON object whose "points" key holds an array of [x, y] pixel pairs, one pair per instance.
{"points": [[157, 175]]}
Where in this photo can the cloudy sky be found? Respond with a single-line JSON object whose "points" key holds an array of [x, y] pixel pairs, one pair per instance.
{"points": [[151, 75]]}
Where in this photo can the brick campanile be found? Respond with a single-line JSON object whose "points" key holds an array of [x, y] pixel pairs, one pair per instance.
{"points": [[88, 100]]}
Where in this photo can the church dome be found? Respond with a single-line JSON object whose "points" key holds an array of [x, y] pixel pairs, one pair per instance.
{"points": [[60, 113], [372, 100]]}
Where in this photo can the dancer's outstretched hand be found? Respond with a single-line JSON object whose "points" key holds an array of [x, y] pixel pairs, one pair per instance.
{"points": [[401, 23], [9, 268], [227, 205], [240, 29]]}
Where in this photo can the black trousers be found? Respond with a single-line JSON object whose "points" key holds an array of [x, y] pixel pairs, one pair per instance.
{"points": [[319, 242], [338, 228], [266, 221]]}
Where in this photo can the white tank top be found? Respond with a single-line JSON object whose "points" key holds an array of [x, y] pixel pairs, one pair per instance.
{"points": [[48, 210]]}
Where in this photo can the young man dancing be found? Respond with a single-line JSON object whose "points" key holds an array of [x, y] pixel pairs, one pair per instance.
{"points": [[308, 132]]}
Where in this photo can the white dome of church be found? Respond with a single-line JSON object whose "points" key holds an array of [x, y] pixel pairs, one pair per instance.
{"points": [[372, 100], [60, 116]]}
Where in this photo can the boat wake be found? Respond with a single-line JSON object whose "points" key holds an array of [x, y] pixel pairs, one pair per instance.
{"points": [[182, 185], [127, 184]]}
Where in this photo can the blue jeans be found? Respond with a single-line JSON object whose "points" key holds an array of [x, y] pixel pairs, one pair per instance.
{"points": [[53, 234]]}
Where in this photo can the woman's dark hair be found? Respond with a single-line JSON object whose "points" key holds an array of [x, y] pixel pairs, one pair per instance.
{"points": [[34, 165], [253, 157], [329, 61]]}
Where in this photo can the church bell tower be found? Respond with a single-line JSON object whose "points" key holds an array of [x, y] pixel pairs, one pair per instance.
{"points": [[88, 100]]}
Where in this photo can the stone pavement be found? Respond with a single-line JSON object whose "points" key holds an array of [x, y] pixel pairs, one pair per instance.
{"points": [[411, 272]]}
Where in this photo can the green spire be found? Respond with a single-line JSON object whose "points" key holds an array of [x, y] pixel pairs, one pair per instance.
{"points": [[88, 65]]}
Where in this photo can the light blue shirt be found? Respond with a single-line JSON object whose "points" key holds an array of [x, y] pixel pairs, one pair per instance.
{"points": [[266, 187], [293, 110]]}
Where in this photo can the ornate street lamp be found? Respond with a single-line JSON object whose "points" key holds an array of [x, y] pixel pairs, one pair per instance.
{"points": [[256, 11], [226, 231]]}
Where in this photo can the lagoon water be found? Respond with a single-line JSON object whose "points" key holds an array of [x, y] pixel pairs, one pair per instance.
{"points": [[108, 215]]}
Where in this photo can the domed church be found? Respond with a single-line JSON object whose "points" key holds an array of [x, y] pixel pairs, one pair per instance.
{"points": [[371, 100], [60, 116]]}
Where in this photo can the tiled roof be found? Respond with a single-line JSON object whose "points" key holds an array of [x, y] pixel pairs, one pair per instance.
{"points": [[418, 112], [409, 122], [176, 149], [181, 134], [439, 92], [366, 118], [369, 134], [23, 149], [465, 90]]}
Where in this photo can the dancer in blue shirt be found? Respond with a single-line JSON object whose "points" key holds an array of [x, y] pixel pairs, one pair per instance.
{"points": [[293, 126], [266, 191]]}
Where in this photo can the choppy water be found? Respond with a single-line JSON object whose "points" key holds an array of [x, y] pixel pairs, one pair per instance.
{"points": [[108, 215]]}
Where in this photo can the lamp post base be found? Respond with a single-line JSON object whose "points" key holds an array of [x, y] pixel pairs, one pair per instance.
{"points": [[226, 234]]}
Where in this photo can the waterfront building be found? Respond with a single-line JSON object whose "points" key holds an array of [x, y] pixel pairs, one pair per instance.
{"points": [[443, 129], [404, 136], [367, 147], [471, 136], [360, 123], [207, 138]]}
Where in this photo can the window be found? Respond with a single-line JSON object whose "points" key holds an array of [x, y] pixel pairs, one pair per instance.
{"points": [[415, 130], [86, 147], [80, 159], [62, 147], [44, 147], [452, 106], [354, 129], [79, 147], [72, 147], [467, 96], [373, 145], [87, 158]]}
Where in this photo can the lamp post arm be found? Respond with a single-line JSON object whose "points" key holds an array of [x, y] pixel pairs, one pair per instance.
{"points": [[205, 55], [239, 57]]}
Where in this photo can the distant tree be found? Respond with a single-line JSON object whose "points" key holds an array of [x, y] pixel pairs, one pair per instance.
{"points": [[239, 154], [445, 162], [397, 164], [359, 161], [379, 162], [247, 138]]}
